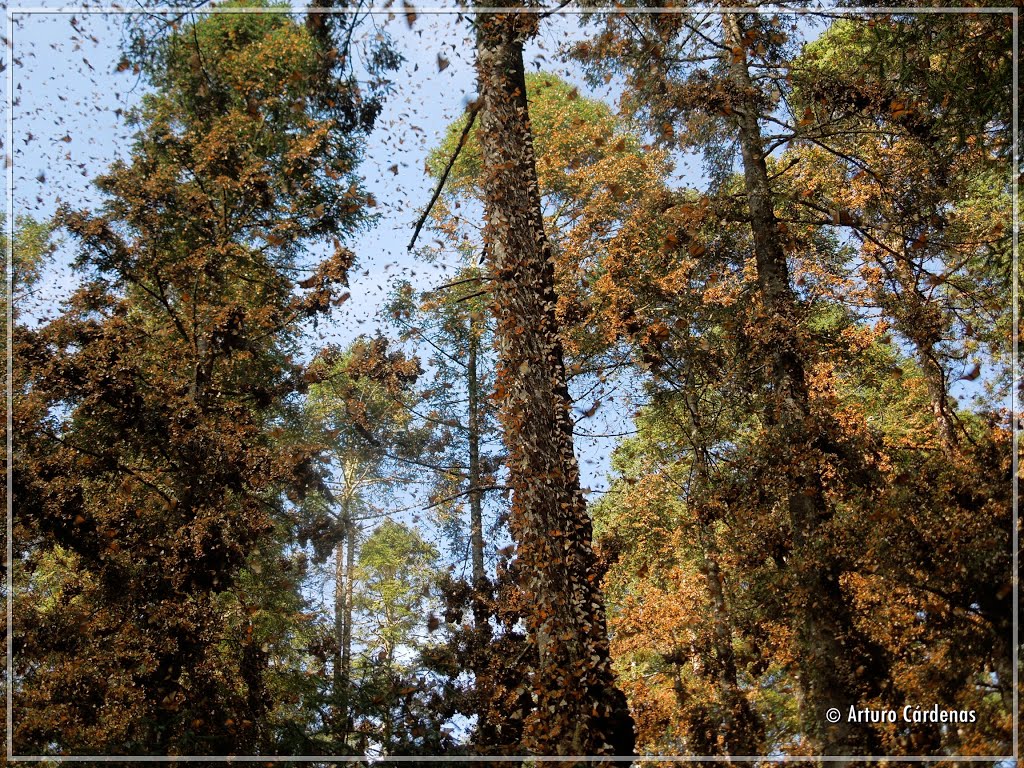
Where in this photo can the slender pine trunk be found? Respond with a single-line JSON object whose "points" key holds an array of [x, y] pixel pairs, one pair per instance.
{"points": [[476, 514], [938, 395], [339, 617], [344, 556], [740, 728], [481, 661], [346, 637], [921, 322]]}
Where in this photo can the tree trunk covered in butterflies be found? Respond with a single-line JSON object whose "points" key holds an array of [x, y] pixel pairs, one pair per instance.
{"points": [[577, 710]]}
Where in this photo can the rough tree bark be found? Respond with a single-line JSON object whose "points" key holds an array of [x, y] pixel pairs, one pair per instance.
{"points": [[829, 658], [577, 708]]}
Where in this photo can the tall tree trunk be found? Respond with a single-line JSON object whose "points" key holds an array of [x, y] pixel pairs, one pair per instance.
{"points": [[740, 725], [481, 660], [938, 395], [476, 513], [339, 617], [828, 653], [921, 322], [346, 637], [344, 557], [578, 710]]}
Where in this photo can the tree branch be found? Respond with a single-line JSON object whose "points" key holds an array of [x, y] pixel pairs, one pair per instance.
{"points": [[474, 108]]}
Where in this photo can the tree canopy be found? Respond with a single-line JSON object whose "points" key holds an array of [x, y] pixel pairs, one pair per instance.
{"points": [[682, 427]]}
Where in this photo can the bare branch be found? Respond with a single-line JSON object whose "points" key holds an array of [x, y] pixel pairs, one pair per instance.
{"points": [[474, 108]]}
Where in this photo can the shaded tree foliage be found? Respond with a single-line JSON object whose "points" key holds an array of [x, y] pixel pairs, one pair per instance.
{"points": [[151, 460], [772, 374]]}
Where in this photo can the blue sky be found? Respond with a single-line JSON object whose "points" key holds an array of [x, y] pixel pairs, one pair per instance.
{"points": [[68, 127]]}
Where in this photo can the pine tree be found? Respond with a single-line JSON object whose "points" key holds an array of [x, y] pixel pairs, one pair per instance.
{"points": [[151, 471]]}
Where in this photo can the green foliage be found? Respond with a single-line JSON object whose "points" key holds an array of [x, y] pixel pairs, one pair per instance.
{"points": [[964, 69], [33, 243], [396, 572], [564, 126], [399, 707]]}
